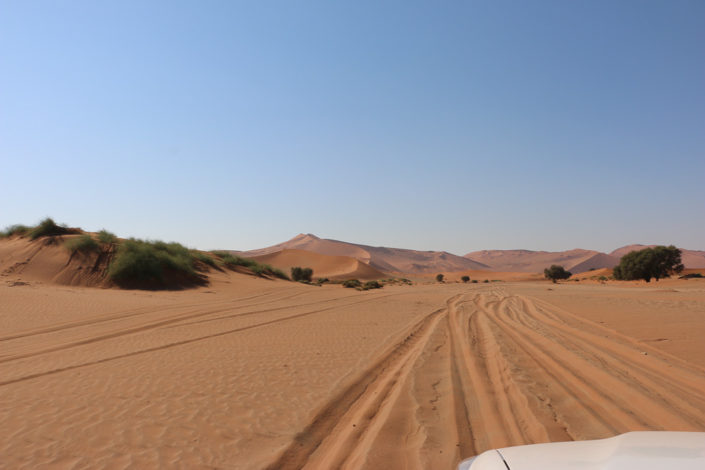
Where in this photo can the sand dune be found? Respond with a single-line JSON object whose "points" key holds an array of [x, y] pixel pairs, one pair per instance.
{"points": [[256, 373], [334, 267], [47, 260], [389, 260], [527, 261]]}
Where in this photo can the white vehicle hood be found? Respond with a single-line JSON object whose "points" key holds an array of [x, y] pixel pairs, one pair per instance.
{"points": [[651, 450]]}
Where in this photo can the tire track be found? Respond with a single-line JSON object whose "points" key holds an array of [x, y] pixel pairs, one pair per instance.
{"points": [[615, 398], [166, 346], [340, 434], [177, 321]]}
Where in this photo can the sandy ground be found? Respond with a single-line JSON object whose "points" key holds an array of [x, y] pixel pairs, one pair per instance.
{"points": [[250, 373]]}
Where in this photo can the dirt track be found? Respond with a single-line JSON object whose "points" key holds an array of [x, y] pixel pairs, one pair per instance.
{"points": [[490, 370], [281, 375]]}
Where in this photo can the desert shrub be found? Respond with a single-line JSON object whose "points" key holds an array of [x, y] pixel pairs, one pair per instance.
{"points": [[267, 270], [49, 228], [439, 277], [233, 260], [556, 272], [16, 229], [371, 285], [465, 278], [301, 274], [657, 262], [278, 273], [106, 237], [145, 261], [84, 243], [692, 276], [352, 284], [203, 258], [602, 278], [474, 281], [322, 280], [486, 281]]}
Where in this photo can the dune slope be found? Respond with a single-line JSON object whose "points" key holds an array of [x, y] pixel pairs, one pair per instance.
{"points": [[397, 260], [528, 261], [334, 267]]}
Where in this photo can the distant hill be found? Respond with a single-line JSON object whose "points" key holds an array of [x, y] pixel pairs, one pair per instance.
{"points": [[384, 259], [575, 261], [692, 259], [528, 261]]}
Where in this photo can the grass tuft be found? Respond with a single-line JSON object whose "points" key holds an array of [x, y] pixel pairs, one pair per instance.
{"points": [[231, 261], [107, 238], [83, 243], [372, 285], [49, 228], [16, 229], [204, 258], [352, 284]]}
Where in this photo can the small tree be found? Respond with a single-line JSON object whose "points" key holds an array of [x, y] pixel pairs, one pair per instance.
{"points": [[301, 274], [465, 278], [657, 262], [556, 272], [439, 277]]}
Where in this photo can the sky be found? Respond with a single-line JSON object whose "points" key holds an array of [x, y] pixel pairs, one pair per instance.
{"points": [[458, 125]]}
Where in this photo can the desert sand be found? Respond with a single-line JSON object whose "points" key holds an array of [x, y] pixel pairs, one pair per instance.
{"points": [[256, 373]]}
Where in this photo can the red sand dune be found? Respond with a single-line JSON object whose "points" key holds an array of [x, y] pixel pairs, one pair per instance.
{"points": [[335, 267], [47, 260], [384, 259], [528, 261]]}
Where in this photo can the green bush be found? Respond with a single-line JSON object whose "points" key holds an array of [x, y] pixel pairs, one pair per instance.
{"points": [[486, 281], [474, 281], [231, 261], [439, 277], [16, 229], [301, 274], [657, 262], [83, 243], [203, 258], [322, 280], [352, 284], [465, 278], [602, 278], [692, 276], [556, 272], [150, 262], [372, 285], [48, 228], [106, 237]]}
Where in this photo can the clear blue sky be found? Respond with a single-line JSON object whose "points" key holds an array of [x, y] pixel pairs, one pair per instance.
{"points": [[438, 125]]}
